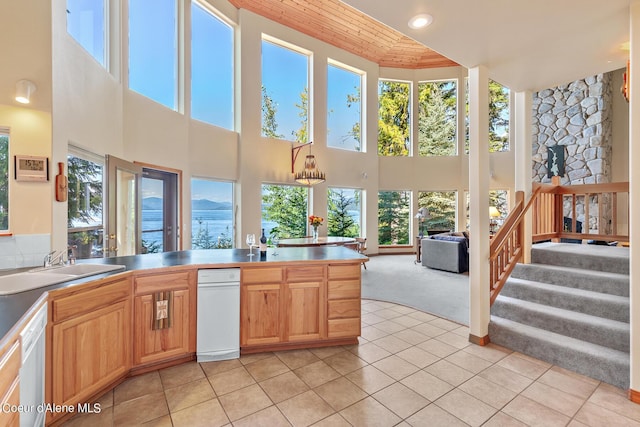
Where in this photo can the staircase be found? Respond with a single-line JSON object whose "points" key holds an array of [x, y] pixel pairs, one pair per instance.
{"points": [[569, 307]]}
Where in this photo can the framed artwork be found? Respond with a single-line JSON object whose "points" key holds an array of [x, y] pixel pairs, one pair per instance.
{"points": [[31, 168], [555, 161]]}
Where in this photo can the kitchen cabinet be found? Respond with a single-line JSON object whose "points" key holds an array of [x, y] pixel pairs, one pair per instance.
{"points": [[91, 339], [175, 336], [261, 320], [343, 300], [10, 363], [299, 306]]}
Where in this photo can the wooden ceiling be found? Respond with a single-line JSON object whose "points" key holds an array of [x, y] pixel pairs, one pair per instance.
{"points": [[347, 28]]}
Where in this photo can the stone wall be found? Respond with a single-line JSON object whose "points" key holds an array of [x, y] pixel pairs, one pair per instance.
{"points": [[577, 116]]}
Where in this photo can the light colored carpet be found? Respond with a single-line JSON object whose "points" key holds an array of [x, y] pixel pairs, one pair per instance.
{"points": [[396, 278]]}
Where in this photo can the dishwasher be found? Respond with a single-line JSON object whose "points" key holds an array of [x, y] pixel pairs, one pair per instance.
{"points": [[32, 370], [218, 336]]}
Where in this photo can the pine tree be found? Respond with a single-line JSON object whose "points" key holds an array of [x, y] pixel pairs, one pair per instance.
{"points": [[287, 206], [339, 222], [437, 121]]}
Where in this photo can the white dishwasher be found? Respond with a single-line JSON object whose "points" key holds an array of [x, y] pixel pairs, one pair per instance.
{"points": [[218, 336], [32, 370]]}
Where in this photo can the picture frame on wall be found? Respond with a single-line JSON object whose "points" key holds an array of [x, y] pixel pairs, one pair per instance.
{"points": [[31, 168]]}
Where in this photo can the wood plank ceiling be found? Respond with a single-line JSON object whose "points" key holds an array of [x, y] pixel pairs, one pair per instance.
{"points": [[345, 27]]}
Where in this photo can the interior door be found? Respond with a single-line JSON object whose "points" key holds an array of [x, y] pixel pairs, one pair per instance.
{"points": [[123, 218]]}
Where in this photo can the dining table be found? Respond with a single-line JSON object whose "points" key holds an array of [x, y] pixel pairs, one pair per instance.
{"points": [[319, 241]]}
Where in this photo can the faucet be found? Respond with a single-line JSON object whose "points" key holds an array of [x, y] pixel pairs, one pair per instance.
{"points": [[54, 258]]}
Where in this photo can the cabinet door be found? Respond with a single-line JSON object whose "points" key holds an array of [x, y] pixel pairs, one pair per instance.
{"points": [[260, 317], [305, 316], [152, 345], [10, 385], [90, 352]]}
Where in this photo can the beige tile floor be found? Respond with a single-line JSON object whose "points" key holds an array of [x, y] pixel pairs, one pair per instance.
{"points": [[409, 369]]}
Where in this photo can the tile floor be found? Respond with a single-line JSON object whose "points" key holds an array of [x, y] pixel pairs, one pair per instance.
{"points": [[410, 369]]}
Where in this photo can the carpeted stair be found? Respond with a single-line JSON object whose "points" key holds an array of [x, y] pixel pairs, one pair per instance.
{"points": [[569, 307]]}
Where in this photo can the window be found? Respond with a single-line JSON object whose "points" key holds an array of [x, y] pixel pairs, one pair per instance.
{"points": [[85, 204], [285, 92], [394, 125], [437, 120], [344, 212], [344, 108], [498, 117], [153, 50], [393, 217], [86, 23], [4, 179], [498, 199], [211, 68], [442, 210], [284, 210], [211, 214]]}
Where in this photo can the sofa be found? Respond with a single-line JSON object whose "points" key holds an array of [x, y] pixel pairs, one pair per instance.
{"points": [[446, 251]]}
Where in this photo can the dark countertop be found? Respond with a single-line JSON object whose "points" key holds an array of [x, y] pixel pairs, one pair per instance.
{"points": [[13, 307]]}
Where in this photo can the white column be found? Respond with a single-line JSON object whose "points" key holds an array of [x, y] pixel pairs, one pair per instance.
{"points": [[479, 203], [634, 193], [523, 139]]}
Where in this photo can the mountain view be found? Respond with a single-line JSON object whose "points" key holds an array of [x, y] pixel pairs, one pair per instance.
{"points": [[155, 203]]}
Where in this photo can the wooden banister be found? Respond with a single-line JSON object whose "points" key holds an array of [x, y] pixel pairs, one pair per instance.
{"points": [[546, 204]]}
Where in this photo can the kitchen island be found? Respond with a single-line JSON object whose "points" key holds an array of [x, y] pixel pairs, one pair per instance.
{"points": [[105, 328]]}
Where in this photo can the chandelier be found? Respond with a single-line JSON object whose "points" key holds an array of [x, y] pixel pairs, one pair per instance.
{"points": [[310, 175]]}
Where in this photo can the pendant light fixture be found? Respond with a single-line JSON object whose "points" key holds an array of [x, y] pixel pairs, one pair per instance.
{"points": [[310, 175]]}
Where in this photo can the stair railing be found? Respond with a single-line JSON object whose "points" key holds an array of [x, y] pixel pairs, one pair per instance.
{"points": [[547, 203]]}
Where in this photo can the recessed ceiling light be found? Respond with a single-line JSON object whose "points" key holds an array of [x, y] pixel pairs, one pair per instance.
{"points": [[420, 21]]}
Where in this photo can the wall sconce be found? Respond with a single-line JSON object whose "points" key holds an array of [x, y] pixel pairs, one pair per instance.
{"points": [[310, 175], [24, 90], [494, 214]]}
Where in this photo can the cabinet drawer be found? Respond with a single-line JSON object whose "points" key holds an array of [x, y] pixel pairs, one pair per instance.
{"points": [[160, 282], [10, 367], [302, 274], [344, 308], [87, 301], [261, 275], [11, 418], [344, 289], [350, 271], [344, 328]]}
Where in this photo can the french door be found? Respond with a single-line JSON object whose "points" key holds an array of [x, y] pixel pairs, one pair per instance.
{"points": [[122, 211], [160, 210]]}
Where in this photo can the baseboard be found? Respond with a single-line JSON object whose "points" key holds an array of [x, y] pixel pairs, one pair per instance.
{"points": [[634, 396], [479, 340]]}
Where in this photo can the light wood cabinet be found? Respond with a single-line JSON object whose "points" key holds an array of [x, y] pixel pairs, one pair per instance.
{"points": [[91, 340], [299, 306], [10, 363], [343, 301], [153, 345]]}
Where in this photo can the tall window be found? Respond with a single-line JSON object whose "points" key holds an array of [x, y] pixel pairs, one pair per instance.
{"points": [[344, 212], [499, 117], [498, 199], [344, 108], [437, 120], [211, 68], [284, 210], [442, 210], [393, 217], [211, 214], [394, 124], [86, 23], [4, 179], [85, 204], [153, 50], [285, 92]]}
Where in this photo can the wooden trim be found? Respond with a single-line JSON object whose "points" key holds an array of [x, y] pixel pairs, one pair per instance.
{"points": [[479, 340], [298, 345], [634, 396]]}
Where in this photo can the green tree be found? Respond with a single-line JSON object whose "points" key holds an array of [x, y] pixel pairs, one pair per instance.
{"points": [[339, 222], [204, 240], [356, 131], [393, 119], [302, 134], [84, 202], [437, 119], [269, 112], [4, 182], [498, 117], [285, 205], [442, 209], [393, 217]]}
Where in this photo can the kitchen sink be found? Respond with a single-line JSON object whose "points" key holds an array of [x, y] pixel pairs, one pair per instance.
{"points": [[41, 276]]}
